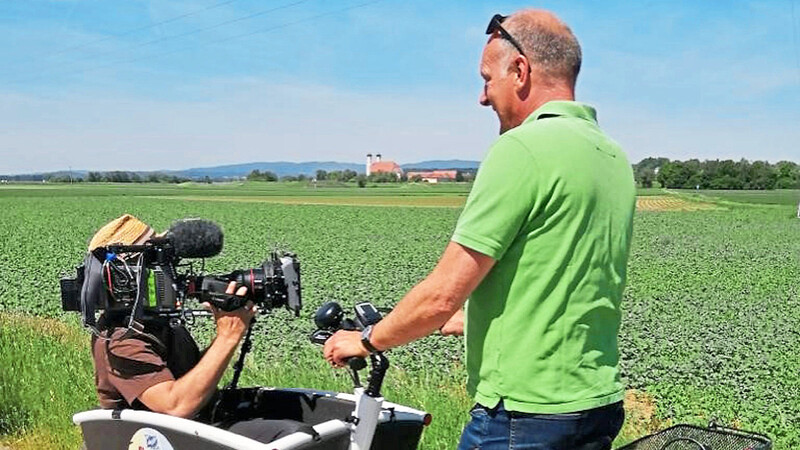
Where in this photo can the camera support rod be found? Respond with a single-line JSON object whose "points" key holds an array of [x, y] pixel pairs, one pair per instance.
{"points": [[239, 365]]}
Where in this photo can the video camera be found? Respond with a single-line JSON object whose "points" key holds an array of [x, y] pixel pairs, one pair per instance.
{"points": [[150, 280]]}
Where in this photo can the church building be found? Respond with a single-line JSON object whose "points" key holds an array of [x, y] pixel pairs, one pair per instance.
{"points": [[376, 166]]}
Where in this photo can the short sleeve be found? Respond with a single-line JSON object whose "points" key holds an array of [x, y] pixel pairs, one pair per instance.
{"points": [[134, 365], [501, 199]]}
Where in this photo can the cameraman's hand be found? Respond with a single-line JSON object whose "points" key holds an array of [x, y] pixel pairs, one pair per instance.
{"points": [[232, 325]]}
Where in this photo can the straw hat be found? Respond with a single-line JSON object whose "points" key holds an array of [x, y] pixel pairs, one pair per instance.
{"points": [[125, 230]]}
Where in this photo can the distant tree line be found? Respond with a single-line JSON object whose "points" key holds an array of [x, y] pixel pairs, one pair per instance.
{"points": [[336, 175], [717, 174], [118, 176], [320, 175], [133, 177]]}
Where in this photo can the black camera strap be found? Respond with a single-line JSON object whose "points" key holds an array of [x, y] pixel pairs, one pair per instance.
{"points": [[92, 292]]}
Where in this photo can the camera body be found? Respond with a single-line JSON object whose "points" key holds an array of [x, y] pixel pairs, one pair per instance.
{"points": [[149, 280], [274, 284]]}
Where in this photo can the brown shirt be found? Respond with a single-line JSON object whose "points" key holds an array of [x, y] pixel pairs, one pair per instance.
{"points": [[128, 362]]}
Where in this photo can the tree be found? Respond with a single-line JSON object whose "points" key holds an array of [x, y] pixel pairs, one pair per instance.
{"points": [[257, 175], [673, 175], [321, 175], [788, 175], [348, 175], [118, 177], [646, 177], [651, 163], [254, 175], [383, 177], [761, 176]]}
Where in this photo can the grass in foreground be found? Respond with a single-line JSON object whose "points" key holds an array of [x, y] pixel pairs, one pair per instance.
{"points": [[47, 376]]}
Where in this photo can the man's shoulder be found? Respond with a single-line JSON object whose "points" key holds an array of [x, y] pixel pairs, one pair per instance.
{"points": [[533, 140], [130, 343], [530, 136], [560, 137], [545, 128]]}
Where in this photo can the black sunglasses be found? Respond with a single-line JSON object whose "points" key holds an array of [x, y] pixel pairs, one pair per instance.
{"points": [[495, 25]]}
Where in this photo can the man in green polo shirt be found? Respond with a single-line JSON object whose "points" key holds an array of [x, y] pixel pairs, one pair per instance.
{"points": [[540, 249]]}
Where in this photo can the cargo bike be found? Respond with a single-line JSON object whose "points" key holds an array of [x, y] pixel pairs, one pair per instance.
{"points": [[319, 419]]}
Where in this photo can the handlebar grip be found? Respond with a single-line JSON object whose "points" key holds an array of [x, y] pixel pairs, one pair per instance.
{"points": [[356, 363], [320, 336]]}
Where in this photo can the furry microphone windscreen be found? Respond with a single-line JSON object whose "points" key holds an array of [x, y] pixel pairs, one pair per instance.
{"points": [[195, 238]]}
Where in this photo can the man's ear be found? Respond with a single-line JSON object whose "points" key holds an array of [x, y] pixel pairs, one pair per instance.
{"points": [[522, 71]]}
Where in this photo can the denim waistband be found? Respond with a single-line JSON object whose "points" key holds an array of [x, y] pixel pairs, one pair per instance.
{"points": [[570, 415]]}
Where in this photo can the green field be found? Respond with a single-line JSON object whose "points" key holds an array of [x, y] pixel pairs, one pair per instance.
{"points": [[710, 312], [774, 197]]}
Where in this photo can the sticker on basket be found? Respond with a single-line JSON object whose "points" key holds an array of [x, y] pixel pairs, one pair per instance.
{"points": [[149, 439]]}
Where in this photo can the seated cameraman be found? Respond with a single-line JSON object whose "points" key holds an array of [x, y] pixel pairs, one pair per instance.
{"points": [[158, 366]]}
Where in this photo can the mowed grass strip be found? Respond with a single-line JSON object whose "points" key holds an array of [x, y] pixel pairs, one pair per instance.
{"points": [[671, 203], [448, 201], [643, 203]]}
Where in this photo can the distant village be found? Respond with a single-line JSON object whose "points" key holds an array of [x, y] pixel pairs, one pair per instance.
{"points": [[377, 166], [376, 170]]}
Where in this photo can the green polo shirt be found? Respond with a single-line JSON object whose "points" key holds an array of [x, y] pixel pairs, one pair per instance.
{"points": [[553, 203]]}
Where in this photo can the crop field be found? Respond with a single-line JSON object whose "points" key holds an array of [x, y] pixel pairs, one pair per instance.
{"points": [[710, 325]]}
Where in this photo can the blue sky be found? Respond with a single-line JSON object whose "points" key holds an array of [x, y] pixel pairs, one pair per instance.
{"points": [[161, 84]]}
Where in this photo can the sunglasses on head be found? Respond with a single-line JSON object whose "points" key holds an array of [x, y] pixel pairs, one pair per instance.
{"points": [[495, 25]]}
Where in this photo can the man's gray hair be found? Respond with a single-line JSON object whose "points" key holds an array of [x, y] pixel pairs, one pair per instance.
{"points": [[548, 43]]}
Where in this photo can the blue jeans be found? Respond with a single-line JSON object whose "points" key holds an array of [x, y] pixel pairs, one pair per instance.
{"points": [[496, 429]]}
